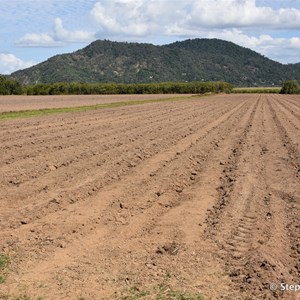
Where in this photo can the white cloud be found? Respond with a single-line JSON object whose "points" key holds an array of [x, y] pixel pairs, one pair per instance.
{"points": [[241, 13], [38, 40], [224, 19], [63, 35], [142, 17], [10, 63], [244, 22], [57, 38], [122, 17]]}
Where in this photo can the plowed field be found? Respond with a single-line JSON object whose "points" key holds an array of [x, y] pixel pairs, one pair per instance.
{"points": [[17, 103], [192, 197]]}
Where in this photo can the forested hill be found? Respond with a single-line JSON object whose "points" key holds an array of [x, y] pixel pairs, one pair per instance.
{"points": [[190, 60]]}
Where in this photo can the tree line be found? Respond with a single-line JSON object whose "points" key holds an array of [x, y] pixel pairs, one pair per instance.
{"points": [[12, 87]]}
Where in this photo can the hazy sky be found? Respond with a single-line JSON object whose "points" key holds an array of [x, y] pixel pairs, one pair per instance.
{"points": [[33, 30]]}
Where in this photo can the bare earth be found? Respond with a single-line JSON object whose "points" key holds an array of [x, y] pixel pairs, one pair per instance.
{"points": [[202, 195], [16, 103]]}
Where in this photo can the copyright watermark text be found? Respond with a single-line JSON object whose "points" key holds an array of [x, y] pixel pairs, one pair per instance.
{"points": [[285, 287]]}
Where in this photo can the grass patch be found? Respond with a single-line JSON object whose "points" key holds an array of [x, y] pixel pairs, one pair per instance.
{"points": [[258, 90], [49, 111], [4, 261], [161, 292]]}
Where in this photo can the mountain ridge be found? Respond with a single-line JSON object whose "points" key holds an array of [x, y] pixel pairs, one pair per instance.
{"points": [[189, 60]]}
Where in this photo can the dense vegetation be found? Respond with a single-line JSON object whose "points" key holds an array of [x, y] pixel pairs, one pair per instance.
{"points": [[256, 90], [13, 87], [187, 61], [290, 87], [9, 86], [113, 88]]}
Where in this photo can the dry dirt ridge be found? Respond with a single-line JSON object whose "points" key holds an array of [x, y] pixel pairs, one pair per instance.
{"points": [[201, 196]]}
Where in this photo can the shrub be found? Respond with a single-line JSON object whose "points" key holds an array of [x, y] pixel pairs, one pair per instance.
{"points": [[290, 87], [9, 86]]}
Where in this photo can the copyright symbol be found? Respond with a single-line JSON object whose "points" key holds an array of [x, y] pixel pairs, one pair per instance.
{"points": [[273, 286]]}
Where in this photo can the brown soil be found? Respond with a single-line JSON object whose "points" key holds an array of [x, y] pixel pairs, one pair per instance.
{"points": [[202, 193], [15, 103]]}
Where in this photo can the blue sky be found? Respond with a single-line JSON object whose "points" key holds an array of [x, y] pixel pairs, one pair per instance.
{"points": [[33, 30]]}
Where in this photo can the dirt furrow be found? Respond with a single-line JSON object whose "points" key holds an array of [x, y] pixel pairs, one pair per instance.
{"points": [[293, 100], [290, 108], [291, 143], [118, 167], [66, 141], [291, 125], [20, 129], [249, 225], [285, 188], [95, 142], [89, 129], [180, 229], [156, 166], [193, 196]]}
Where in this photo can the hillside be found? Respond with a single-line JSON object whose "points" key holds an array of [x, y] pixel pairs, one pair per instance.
{"points": [[190, 60]]}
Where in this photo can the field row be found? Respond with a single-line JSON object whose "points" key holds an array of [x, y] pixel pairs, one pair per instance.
{"points": [[200, 195]]}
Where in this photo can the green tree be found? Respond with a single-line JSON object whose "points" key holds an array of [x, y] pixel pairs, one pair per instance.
{"points": [[290, 87], [9, 86]]}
